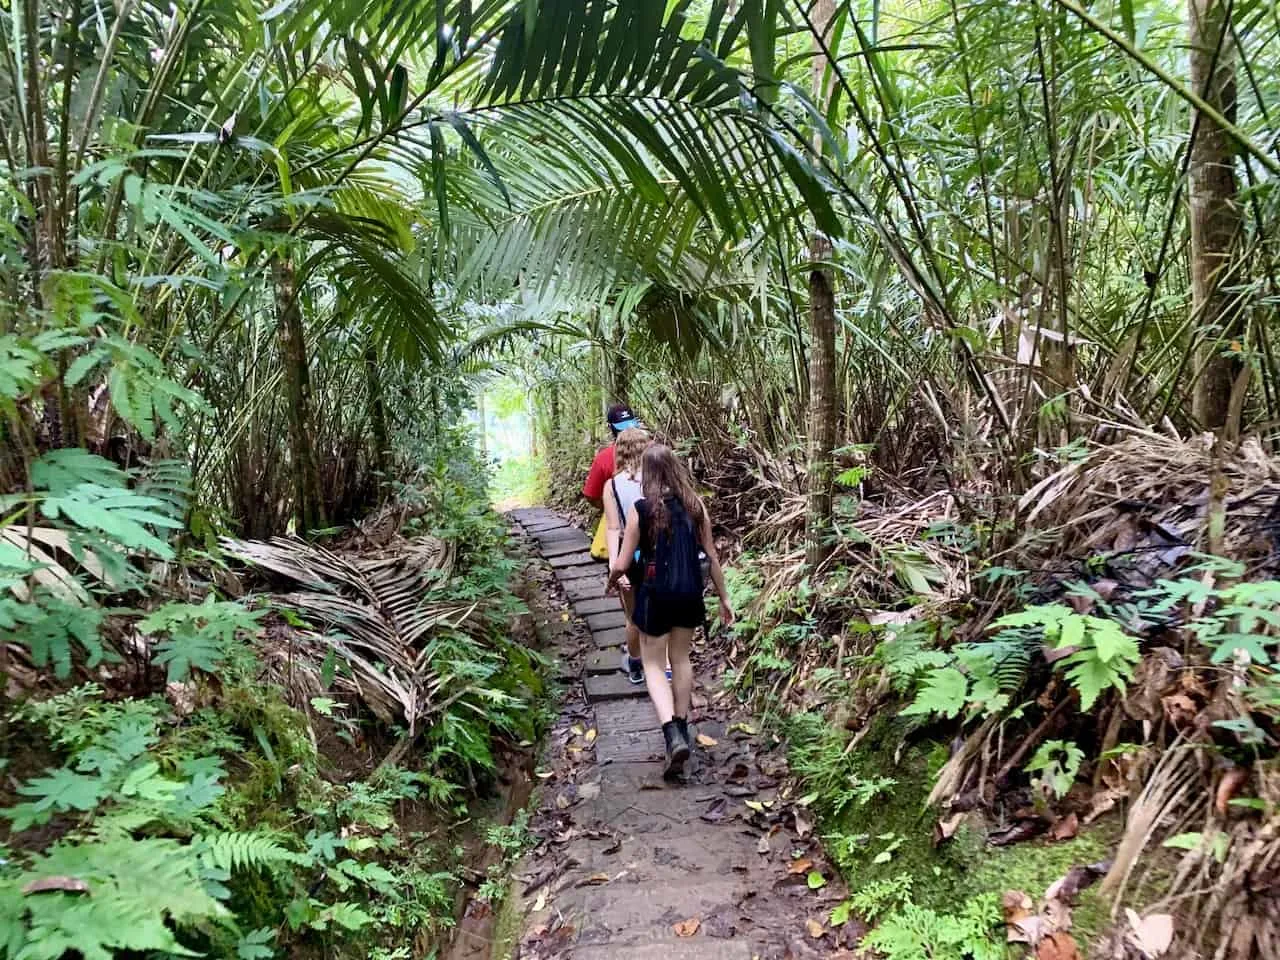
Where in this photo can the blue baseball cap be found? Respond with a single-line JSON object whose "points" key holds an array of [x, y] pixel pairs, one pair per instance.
{"points": [[621, 418]]}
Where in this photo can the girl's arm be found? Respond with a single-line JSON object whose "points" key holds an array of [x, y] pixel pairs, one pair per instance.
{"points": [[708, 543], [612, 521], [630, 540]]}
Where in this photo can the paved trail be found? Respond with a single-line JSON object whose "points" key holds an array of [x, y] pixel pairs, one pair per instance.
{"points": [[630, 867]]}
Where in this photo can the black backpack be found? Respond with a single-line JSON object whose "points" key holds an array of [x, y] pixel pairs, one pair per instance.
{"points": [[673, 565]]}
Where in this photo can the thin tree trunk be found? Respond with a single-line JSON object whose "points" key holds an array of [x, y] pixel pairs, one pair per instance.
{"points": [[822, 356], [308, 505], [1215, 214], [377, 418]]}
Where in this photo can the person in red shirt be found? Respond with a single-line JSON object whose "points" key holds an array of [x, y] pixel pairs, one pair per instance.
{"points": [[620, 418], [603, 467]]}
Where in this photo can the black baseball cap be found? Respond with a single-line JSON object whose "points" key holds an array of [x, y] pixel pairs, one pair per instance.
{"points": [[621, 418]]}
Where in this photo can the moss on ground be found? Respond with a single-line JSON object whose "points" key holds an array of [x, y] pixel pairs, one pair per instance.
{"points": [[897, 822]]}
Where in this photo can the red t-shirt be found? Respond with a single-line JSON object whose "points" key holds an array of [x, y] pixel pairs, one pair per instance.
{"points": [[601, 472]]}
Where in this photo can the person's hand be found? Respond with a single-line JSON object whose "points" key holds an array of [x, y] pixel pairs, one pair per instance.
{"points": [[726, 612], [623, 585]]}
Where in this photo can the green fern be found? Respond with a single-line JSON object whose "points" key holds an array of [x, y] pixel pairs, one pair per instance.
{"points": [[919, 933], [244, 851]]}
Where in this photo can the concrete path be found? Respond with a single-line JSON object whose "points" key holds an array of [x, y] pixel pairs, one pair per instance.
{"points": [[720, 867]]}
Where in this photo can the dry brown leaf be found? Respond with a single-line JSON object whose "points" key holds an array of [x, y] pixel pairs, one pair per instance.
{"points": [[541, 902], [1016, 905], [1152, 934], [947, 827], [1027, 930], [687, 928], [705, 740], [590, 735], [58, 884], [1058, 945], [595, 880], [1231, 783], [803, 865], [1065, 828], [815, 928]]}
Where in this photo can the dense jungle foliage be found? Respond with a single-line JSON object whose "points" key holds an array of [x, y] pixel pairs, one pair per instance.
{"points": [[962, 313]]}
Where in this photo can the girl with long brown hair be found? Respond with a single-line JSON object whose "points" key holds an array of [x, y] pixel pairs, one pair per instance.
{"points": [[620, 492], [664, 530]]}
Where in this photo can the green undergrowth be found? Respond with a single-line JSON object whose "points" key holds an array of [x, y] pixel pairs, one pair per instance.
{"points": [[227, 816], [876, 827]]}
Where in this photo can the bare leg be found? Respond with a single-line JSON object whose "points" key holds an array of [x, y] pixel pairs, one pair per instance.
{"points": [[679, 642], [633, 632], [653, 651]]}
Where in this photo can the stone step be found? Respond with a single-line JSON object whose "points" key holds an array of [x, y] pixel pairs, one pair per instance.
{"points": [[573, 560], [582, 572], [613, 637], [629, 912], [591, 605], [542, 526], [607, 620], [561, 548], [562, 534], [615, 687], [637, 747], [700, 947], [603, 662], [586, 588], [529, 514]]}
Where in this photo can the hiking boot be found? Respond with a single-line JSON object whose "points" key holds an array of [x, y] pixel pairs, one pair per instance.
{"points": [[633, 667], [677, 749], [682, 723]]}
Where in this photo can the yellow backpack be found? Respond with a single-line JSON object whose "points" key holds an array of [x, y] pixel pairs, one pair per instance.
{"points": [[600, 544]]}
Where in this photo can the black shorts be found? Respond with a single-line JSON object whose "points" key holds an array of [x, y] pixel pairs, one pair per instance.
{"points": [[656, 614]]}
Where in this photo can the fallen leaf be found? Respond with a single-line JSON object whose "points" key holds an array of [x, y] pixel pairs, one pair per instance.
{"points": [[815, 928], [746, 728], [1228, 787], [1027, 930], [705, 740], [590, 735], [1065, 828], [595, 880], [1022, 830], [1057, 915], [577, 730], [799, 866], [1017, 905], [56, 883], [946, 828], [1076, 879], [1151, 934], [687, 928], [545, 774], [762, 847], [1058, 945], [564, 617], [717, 811], [541, 902], [803, 826], [815, 880]]}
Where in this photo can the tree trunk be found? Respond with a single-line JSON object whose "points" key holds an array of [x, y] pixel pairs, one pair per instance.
{"points": [[1215, 215], [822, 354], [378, 419], [308, 505]]}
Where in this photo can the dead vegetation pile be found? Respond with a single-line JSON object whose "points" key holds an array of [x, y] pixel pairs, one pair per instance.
{"points": [[1185, 751]]}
